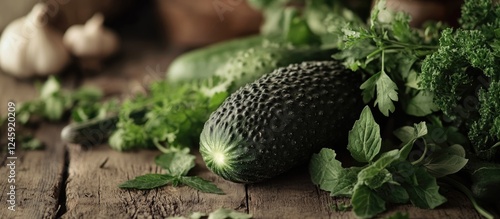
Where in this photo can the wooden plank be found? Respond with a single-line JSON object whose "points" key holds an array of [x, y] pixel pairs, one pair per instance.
{"points": [[457, 206], [39, 174], [95, 173], [38, 178], [294, 196], [291, 195], [12, 89]]}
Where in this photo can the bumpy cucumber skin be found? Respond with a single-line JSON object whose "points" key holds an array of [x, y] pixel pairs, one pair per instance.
{"points": [[249, 65], [277, 122], [202, 63]]}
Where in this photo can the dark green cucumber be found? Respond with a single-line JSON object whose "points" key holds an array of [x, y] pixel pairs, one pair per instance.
{"points": [[275, 123], [94, 132], [202, 63]]}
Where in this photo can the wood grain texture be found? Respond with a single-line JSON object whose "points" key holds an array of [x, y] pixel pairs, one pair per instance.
{"points": [[95, 174], [292, 195], [39, 176]]}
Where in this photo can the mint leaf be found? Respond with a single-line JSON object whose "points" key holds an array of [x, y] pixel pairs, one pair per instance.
{"points": [[224, 213], [200, 184], [386, 94], [426, 193], [421, 105], [328, 174], [393, 193], [364, 137], [177, 163], [148, 181], [366, 203]]}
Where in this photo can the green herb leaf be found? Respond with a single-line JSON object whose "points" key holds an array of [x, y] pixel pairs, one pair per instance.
{"points": [[446, 161], [216, 100], [408, 135], [31, 143], [421, 105], [148, 181], [426, 193], [224, 213], [393, 193], [386, 94], [50, 87], [368, 174], [364, 137], [177, 163], [379, 179], [328, 174], [201, 184], [368, 87], [413, 80], [366, 203]]}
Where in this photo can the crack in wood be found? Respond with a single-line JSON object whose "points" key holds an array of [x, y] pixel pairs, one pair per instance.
{"points": [[62, 186]]}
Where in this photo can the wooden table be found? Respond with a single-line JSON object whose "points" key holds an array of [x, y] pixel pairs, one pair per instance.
{"points": [[67, 181]]}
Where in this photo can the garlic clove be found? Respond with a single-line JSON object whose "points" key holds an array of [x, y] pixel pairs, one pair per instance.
{"points": [[91, 40], [29, 46]]}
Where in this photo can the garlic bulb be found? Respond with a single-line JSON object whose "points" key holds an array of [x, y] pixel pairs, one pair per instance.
{"points": [[29, 46], [91, 40]]}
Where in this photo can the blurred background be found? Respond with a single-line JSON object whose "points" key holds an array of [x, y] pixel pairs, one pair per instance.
{"points": [[140, 38]]}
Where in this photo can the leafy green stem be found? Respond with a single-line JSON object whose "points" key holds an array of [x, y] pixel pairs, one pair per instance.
{"points": [[423, 154], [461, 187]]}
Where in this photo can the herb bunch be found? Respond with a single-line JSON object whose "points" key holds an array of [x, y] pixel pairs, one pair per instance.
{"points": [[416, 75], [391, 176]]}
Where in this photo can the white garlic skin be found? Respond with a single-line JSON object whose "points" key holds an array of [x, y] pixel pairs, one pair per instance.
{"points": [[30, 47], [91, 40]]}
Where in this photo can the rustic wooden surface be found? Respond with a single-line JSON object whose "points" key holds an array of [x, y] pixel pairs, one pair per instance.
{"points": [[70, 182]]}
